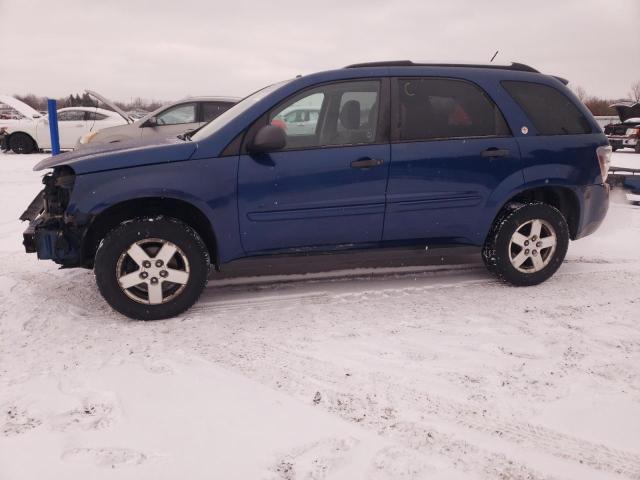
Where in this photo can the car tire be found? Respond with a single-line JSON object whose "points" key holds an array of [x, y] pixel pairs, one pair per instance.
{"points": [[21, 143], [152, 268], [527, 244]]}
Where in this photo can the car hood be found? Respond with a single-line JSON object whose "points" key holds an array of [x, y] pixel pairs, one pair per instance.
{"points": [[112, 156], [627, 110], [20, 106], [110, 104]]}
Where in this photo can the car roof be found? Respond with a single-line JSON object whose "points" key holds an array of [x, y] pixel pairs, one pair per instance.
{"points": [[520, 67], [207, 99]]}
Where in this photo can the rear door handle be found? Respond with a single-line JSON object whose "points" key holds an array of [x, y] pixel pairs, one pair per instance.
{"points": [[366, 163], [495, 152]]}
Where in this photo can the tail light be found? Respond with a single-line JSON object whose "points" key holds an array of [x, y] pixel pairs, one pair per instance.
{"points": [[604, 159]]}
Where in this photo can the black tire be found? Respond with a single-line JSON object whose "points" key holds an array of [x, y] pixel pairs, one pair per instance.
{"points": [[499, 248], [21, 143], [111, 258], [637, 149], [613, 149]]}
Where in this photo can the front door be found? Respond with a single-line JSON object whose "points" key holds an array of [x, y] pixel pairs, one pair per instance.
{"points": [[451, 149], [326, 188]]}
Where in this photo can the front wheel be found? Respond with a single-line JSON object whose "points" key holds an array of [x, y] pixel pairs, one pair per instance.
{"points": [[22, 143], [152, 268], [527, 244]]}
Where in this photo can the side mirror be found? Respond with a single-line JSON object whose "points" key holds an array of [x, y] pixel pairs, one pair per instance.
{"points": [[268, 139], [151, 122]]}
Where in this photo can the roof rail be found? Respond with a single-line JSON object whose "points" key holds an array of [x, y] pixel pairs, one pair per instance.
{"points": [[521, 67]]}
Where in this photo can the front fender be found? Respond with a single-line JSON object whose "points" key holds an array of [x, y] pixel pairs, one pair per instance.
{"points": [[207, 184]]}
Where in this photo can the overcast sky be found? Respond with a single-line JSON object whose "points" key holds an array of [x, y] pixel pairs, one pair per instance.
{"points": [[170, 49]]}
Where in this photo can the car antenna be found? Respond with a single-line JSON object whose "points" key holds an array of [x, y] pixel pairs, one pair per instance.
{"points": [[494, 56], [95, 116]]}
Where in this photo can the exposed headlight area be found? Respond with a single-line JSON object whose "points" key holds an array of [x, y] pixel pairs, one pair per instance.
{"points": [[57, 190], [53, 200], [87, 137]]}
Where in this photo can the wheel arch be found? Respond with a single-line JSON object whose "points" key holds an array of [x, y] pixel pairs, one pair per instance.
{"points": [[113, 216], [561, 197]]}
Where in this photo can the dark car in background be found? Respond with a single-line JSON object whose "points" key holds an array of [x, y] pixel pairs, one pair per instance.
{"points": [[626, 133], [502, 158]]}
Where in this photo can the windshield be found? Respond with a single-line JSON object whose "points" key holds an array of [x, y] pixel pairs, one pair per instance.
{"points": [[238, 109]]}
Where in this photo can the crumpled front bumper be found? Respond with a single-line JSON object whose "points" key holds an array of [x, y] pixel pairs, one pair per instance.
{"points": [[50, 237]]}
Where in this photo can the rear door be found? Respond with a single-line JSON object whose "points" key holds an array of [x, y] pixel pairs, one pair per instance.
{"points": [[451, 148], [326, 188]]}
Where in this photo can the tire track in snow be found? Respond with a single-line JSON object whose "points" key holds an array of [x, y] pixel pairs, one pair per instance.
{"points": [[440, 279], [366, 408]]}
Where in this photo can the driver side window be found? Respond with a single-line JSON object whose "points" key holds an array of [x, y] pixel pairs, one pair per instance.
{"points": [[337, 114], [185, 113]]}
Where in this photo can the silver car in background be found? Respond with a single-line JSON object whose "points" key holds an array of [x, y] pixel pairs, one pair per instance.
{"points": [[169, 120]]}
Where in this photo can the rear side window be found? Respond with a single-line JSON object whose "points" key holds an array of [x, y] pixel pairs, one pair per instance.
{"points": [[550, 111], [441, 108], [94, 116], [211, 110], [71, 116]]}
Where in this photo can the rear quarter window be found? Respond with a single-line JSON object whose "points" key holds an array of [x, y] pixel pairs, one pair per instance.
{"points": [[430, 108], [550, 111]]}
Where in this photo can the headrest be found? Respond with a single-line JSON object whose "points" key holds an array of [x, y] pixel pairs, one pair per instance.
{"points": [[350, 115]]}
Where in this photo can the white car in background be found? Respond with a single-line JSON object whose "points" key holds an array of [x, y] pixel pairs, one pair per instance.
{"points": [[30, 133]]}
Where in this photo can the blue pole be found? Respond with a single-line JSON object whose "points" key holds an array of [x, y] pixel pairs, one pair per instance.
{"points": [[53, 126]]}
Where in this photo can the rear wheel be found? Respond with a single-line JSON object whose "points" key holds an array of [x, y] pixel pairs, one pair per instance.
{"points": [[152, 268], [527, 244], [22, 143]]}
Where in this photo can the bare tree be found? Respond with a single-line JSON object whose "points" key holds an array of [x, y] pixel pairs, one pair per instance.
{"points": [[635, 91], [580, 92]]}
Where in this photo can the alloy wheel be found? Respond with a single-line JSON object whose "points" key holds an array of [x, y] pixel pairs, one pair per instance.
{"points": [[532, 246], [152, 271]]}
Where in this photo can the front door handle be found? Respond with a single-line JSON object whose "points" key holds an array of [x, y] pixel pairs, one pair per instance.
{"points": [[366, 163], [495, 152]]}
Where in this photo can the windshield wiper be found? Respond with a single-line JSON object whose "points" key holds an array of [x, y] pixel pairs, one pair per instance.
{"points": [[189, 133]]}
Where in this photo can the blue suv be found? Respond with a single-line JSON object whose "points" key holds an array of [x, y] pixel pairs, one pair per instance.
{"points": [[388, 154]]}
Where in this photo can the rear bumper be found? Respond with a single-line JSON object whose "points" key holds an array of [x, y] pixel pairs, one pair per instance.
{"points": [[594, 209]]}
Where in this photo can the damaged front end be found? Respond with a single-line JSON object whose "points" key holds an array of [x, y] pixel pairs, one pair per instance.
{"points": [[52, 234]]}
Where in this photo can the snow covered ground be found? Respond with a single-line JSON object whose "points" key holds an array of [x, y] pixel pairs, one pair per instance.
{"points": [[407, 373]]}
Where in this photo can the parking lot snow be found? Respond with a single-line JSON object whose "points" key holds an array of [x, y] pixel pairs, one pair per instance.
{"points": [[439, 373]]}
